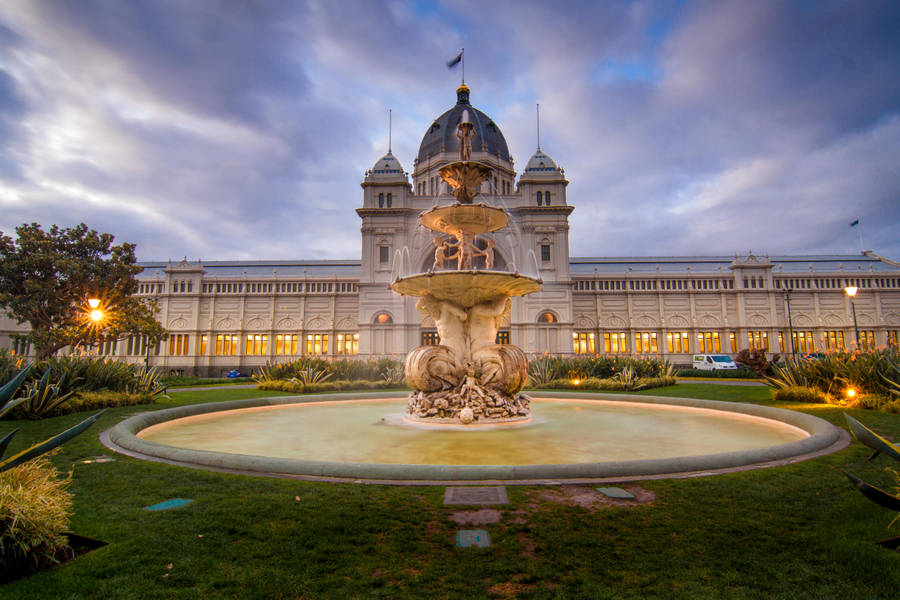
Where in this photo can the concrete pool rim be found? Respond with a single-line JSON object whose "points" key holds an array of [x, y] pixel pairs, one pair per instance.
{"points": [[823, 438]]}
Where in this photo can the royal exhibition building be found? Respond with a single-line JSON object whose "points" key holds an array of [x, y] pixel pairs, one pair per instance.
{"points": [[225, 315]]}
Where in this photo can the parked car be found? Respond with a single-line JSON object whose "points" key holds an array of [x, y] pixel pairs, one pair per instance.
{"points": [[233, 373], [713, 362]]}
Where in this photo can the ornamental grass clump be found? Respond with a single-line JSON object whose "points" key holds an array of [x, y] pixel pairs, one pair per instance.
{"points": [[35, 506], [797, 393], [854, 379]]}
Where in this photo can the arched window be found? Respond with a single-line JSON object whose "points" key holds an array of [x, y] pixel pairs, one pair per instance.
{"points": [[380, 200], [547, 198], [390, 199], [383, 319], [190, 285], [540, 198], [547, 317]]}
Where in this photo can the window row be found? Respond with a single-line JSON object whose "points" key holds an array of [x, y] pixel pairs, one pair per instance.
{"points": [[712, 342], [837, 283], [586, 285], [227, 344], [543, 198], [150, 288], [385, 200], [309, 287]]}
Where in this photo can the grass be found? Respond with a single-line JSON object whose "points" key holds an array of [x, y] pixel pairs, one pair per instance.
{"points": [[798, 531]]}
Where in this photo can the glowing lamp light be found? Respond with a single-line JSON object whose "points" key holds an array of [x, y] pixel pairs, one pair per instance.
{"points": [[93, 303], [96, 315], [851, 290], [851, 393], [576, 381]]}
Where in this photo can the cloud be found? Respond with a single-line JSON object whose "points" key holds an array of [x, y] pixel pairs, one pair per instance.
{"points": [[242, 130]]}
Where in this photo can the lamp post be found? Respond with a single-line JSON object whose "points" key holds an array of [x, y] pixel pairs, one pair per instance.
{"points": [[787, 298], [851, 291]]}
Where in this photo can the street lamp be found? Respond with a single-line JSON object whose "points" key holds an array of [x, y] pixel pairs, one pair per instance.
{"points": [[787, 297], [851, 291]]}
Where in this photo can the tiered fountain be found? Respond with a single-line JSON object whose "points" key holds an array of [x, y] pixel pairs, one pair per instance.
{"points": [[468, 378]]}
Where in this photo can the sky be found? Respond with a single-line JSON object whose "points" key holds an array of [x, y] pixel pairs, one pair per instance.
{"points": [[242, 129]]}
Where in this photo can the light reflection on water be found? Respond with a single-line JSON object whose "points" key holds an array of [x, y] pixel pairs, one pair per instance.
{"points": [[562, 431]]}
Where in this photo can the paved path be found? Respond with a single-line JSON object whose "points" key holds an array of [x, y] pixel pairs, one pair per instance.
{"points": [[236, 386], [721, 382]]}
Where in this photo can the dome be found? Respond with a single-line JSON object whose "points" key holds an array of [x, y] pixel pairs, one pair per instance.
{"points": [[387, 165], [441, 136], [387, 169], [540, 163]]}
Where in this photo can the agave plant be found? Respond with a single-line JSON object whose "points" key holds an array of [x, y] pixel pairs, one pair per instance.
{"points": [[43, 396], [393, 375], [147, 380], [629, 379], [311, 374], [6, 405], [880, 445], [267, 372]]}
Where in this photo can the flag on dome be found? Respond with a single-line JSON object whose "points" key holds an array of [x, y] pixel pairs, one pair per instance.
{"points": [[455, 60], [854, 223]]}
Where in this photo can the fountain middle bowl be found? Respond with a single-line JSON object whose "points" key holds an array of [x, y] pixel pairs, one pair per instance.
{"points": [[466, 288], [549, 450]]}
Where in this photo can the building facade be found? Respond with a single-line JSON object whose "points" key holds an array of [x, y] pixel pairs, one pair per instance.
{"points": [[226, 315]]}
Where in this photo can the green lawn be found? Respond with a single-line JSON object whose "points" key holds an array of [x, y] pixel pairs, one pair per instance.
{"points": [[799, 531]]}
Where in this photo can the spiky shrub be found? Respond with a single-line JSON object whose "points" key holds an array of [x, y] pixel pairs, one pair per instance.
{"points": [[874, 374], [756, 360], [35, 506]]}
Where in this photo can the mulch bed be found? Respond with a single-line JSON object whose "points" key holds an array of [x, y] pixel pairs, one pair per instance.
{"points": [[25, 567]]}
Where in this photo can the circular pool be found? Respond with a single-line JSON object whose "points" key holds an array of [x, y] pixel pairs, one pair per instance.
{"points": [[571, 436]]}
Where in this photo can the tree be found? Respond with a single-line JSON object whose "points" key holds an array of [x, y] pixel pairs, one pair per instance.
{"points": [[46, 278]]}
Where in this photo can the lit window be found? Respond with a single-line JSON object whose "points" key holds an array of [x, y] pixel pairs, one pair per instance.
{"points": [[502, 337], [257, 344], [178, 344], [226, 344], [347, 343], [615, 343], [834, 340], [204, 339], [645, 342], [892, 338], [584, 342], [547, 317], [708, 342], [758, 340], [286, 344], [677, 342], [732, 341], [430, 338], [866, 340], [317, 343]]}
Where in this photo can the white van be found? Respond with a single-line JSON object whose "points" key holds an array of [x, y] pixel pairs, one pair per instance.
{"points": [[713, 362]]}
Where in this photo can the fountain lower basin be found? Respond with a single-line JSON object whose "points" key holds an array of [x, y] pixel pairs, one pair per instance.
{"points": [[571, 437]]}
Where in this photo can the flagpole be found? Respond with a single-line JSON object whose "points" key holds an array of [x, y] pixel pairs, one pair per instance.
{"points": [[390, 127], [463, 53], [861, 247]]}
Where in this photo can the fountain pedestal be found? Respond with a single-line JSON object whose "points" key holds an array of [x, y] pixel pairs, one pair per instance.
{"points": [[468, 378]]}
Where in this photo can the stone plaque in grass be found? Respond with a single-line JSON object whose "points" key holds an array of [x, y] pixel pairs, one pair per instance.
{"points": [[466, 538], [476, 495], [616, 492]]}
